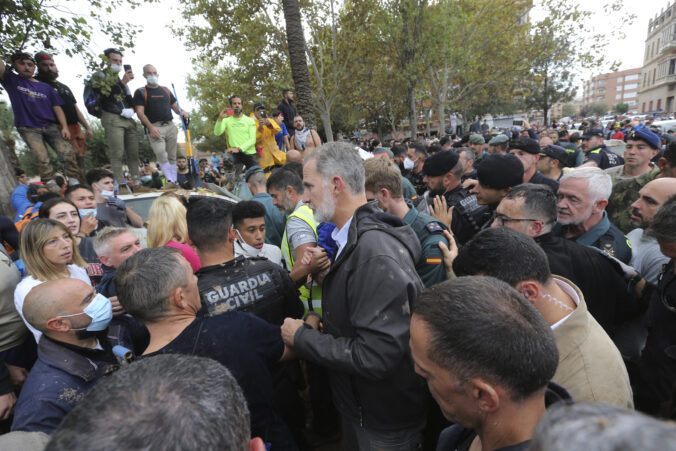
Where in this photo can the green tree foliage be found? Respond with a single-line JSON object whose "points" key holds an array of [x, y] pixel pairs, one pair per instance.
{"points": [[56, 26], [598, 109], [621, 108], [568, 110]]}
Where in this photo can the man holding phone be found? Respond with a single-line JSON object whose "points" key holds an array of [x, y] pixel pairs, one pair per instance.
{"points": [[116, 117]]}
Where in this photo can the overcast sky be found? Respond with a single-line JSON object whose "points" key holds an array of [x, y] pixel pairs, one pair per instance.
{"points": [[157, 45]]}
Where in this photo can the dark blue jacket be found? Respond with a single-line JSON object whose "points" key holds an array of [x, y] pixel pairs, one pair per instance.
{"points": [[106, 286], [61, 377]]}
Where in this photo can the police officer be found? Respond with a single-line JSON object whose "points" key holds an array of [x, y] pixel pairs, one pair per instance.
{"points": [[443, 173], [528, 151], [496, 176], [596, 153], [383, 183], [552, 160]]}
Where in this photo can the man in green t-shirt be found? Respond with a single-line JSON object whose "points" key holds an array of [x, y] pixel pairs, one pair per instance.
{"points": [[240, 133]]}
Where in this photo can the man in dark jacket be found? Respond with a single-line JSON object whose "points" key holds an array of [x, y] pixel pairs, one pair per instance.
{"points": [[367, 298], [74, 352]]}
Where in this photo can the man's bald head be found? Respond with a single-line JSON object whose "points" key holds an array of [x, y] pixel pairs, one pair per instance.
{"points": [[294, 155], [55, 298], [650, 199]]}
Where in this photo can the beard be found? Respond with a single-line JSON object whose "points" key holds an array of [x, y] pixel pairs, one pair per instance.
{"points": [[324, 212], [437, 190], [578, 220]]}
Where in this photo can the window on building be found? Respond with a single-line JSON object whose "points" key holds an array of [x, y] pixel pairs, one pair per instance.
{"points": [[631, 86], [643, 109], [619, 79], [632, 103], [618, 96], [659, 104], [601, 82], [629, 95], [601, 90], [654, 75], [650, 106], [632, 77]]}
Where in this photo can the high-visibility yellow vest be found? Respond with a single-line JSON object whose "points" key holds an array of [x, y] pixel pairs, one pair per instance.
{"points": [[310, 294]]}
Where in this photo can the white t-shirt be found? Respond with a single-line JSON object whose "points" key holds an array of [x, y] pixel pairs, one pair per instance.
{"points": [[27, 284], [269, 251]]}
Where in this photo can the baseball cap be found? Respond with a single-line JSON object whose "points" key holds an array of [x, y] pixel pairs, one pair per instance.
{"points": [[592, 132], [43, 56]]}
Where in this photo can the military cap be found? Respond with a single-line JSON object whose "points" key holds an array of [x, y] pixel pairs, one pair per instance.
{"points": [[251, 171], [555, 152], [646, 135], [526, 144], [477, 139], [592, 132], [378, 151], [440, 163], [499, 171], [500, 139]]}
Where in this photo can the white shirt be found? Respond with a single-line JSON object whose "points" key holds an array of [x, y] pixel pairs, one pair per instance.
{"points": [[340, 236], [28, 283], [570, 291], [269, 251]]}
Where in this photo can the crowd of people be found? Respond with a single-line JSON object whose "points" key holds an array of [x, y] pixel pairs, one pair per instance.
{"points": [[495, 291]]}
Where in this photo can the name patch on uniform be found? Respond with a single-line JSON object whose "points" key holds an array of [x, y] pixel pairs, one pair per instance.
{"points": [[238, 293]]}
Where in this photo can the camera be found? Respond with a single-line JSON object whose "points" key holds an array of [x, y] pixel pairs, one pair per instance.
{"points": [[264, 114]]}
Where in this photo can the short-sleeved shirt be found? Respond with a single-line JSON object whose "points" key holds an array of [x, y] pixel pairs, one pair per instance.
{"points": [[157, 103], [68, 100], [279, 137], [244, 344], [299, 232], [94, 265], [32, 101]]}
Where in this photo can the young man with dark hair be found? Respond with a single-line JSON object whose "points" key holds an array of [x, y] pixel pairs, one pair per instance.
{"points": [[492, 382], [38, 116], [287, 107], [110, 208], [248, 220], [274, 219], [413, 166], [228, 282], [590, 366]]}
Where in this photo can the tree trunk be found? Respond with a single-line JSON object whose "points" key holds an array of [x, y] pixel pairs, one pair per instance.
{"points": [[325, 116], [7, 181], [429, 125], [298, 62], [442, 120], [412, 113]]}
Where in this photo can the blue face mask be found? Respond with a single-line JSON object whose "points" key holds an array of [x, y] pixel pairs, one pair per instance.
{"points": [[85, 211], [99, 310]]}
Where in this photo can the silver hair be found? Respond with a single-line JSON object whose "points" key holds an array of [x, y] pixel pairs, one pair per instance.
{"points": [[600, 184], [600, 427], [338, 158], [469, 153], [103, 237]]}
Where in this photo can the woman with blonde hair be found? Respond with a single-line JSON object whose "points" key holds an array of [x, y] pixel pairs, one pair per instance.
{"points": [[47, 248], [167, 226]]}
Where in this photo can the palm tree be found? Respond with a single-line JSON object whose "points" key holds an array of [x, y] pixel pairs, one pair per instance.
{"points": [[298, 61]]}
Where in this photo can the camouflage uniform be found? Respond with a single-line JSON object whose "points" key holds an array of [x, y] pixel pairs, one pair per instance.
{"points": [[625, 193]]}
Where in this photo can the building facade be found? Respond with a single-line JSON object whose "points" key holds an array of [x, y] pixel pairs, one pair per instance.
{"points": [[658, 86], [613, 88]]}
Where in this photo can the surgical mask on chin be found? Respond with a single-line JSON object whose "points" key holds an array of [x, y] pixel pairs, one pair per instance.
{"points": [[248, 249], [85, 211], [100, 310], [409, 164], [115, 67], [107, 194], [152, 80]]}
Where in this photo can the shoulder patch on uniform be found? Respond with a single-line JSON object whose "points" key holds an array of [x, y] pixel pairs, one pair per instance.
{"points": [[433, 260], [433, 227]]}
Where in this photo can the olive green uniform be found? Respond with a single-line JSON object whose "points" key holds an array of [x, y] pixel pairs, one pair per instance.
{"points": [[625, 193], [430, 232]]}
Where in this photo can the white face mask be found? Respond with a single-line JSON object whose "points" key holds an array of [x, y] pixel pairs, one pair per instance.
{"points": [[152, 80], [107, 194], [408, 163], [248, 249], [115, 67]]}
